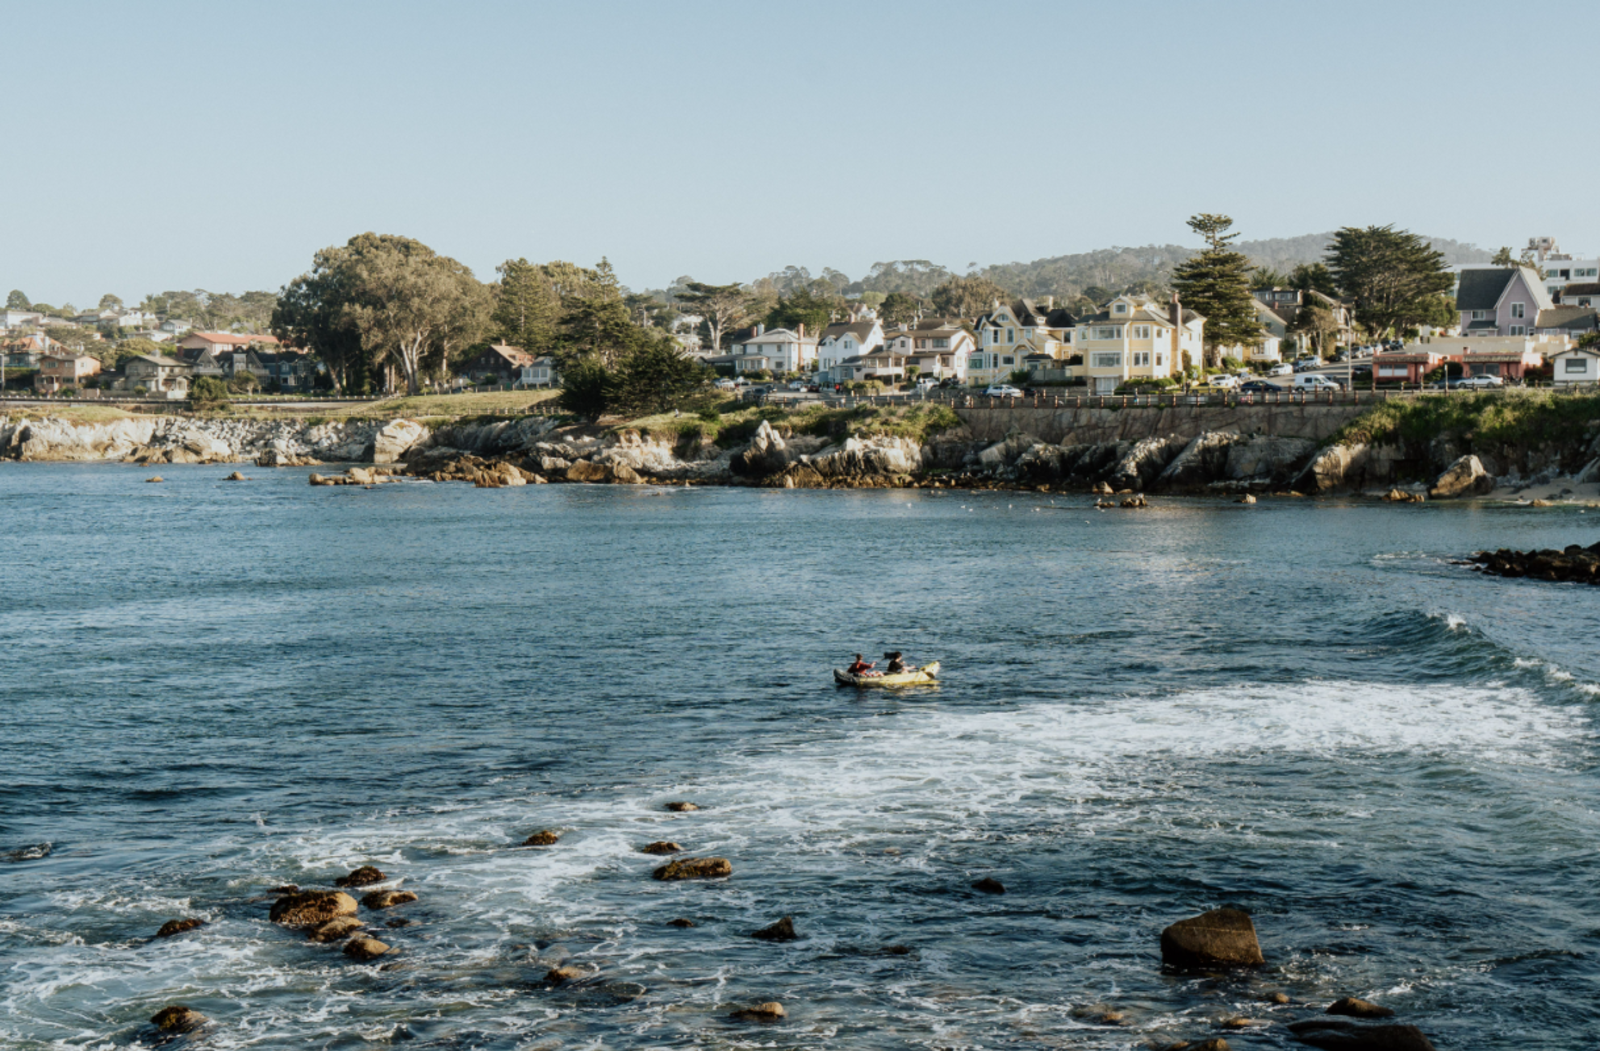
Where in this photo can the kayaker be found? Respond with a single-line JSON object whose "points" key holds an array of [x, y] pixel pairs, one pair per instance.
{"points": [[896, 665], [861, 667]]}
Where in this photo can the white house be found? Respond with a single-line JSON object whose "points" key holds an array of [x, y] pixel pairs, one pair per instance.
{"points": [[778, 351], [841, 342], [1576, 365], [541, 373], [10, 319]]}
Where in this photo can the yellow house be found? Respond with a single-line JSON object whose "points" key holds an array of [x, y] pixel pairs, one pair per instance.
{"points": [[1007, 335], [1133, 338]]}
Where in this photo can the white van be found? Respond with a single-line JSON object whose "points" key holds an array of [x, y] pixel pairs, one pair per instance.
{"points": [[1315, 381]]}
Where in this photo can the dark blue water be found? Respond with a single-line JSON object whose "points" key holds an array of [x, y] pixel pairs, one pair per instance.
{"points": [[209, 688]]}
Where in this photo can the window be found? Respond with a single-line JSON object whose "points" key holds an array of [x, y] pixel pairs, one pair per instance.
{"points": [[1141, 332], [1518, 310], [1108, 332], [1008, 360], [1477, 315], [1519, 330], [1107, 360], [1141, 357], [1161, 359], [1575, 365], [1011, 335], [939, 343], [1121, 308], [976, 361]]}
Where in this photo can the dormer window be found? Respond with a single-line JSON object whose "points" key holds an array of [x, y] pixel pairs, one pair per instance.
{"points": [[1121, 308]]}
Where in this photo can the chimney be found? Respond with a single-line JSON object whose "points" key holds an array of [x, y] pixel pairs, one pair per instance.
{"points": [[802, 332], [1049, 302], [761, 329]]}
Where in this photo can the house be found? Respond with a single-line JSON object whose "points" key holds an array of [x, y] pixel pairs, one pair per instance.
{"points": [[24, 353], [10, 319], [941, 351], [1585, 294], [174, 326], [286, 370], [1509, 363], [778, 351], [219, 343], [1571, 322], [541, 372], [135, 319], [59, 369], [1137, 338], [1008, 334], [1407, 366], [500, 363], [1576, 365], [1500, 301], [161, 376], [1285, 304], [843, 341]]}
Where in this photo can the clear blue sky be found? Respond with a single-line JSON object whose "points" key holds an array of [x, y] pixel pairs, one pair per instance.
{"points": [[184, 145]]}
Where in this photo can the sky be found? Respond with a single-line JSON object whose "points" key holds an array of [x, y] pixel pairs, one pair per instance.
{"points": [[218, 146]]}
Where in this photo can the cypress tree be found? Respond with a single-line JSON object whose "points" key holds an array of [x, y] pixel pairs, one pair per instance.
{"points": [[1216, 285]]}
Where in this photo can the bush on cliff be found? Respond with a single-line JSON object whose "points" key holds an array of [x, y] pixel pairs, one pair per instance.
{"points": [[1513, 417], [208, 392]]}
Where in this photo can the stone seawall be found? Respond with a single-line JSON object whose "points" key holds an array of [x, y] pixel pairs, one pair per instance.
{"points": [[1090, 426]]}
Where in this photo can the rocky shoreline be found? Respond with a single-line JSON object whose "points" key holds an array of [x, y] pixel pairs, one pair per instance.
{"points": [[1573, 564], [1220, 945], [532, 450]]}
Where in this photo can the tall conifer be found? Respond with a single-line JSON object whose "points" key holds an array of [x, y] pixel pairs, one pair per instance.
{"points": [[1216, 285]]}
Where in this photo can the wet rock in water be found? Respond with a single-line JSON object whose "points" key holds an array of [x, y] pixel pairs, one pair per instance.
{"points": [[660, 848], [1100, 1014], [387, 899], [361, 877], [1339, 1035], [990, 885], [1542, 503], [1278, 998], [1101, 489], [565, 973], [1238, 1022], [681, 922], [782, 931], [1354, 1008], [287, 888], [365, 948], [1465, 477], [157, 478], [398, 921], [177, 1019], [312, 907], [1247, 499], [172, 927], [545, 838], [335, 929], [681, 808], [1136, 501], [1401, 496], [1574, 564], [236, 477], [1221, 936], [896, 950], [694, 868], [771, 1011]]}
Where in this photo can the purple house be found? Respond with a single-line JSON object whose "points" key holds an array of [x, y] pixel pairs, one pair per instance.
{"points": [[1501, 301]]}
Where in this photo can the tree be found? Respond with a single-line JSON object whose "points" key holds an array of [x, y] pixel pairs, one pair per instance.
{"points": [[1314, 277], [596, 327], [1315, 321], [656, 377], [723, 307], [208, 392], [1266, 277], [586, 388], [243, 381], [1394, 277], [966, 296], [901, 307], [804, 306], [310, 316], [115, 355], [1504, 258], [110, 302], [1216, 284], [17, 301]]}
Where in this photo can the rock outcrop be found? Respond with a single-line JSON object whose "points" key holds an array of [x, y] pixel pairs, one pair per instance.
{"points": [[173, 927], [1572, 564], [177, 1019], [694, 868], [1465, 477], [543, 838], [1354, 1008], [364, 876], [1224, 937], [989, 885], [336, 929], [772, 1011], [387, 899], [1339, 1035], [364, 949], [661, 848], [311, 908], [782, 931]]}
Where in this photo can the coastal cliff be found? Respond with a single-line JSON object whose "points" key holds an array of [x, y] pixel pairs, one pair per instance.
{"points": [[1439, 448]]}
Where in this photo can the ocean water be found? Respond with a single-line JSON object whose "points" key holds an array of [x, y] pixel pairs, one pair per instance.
{"points": [[1300, 708]]}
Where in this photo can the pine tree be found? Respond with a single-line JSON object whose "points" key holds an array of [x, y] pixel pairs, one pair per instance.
{"points": [[1216, 285], [1397, 280]]}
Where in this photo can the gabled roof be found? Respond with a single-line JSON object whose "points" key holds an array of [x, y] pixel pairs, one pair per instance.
{"points": [[158, 359], [1587, 288], [1588, 352], [862, 330], [231, 339], [779, 335], [1484, 289], [511, 355]]}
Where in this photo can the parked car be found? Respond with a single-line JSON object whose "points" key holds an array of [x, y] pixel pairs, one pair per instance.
{"points": [[1478, 383], [1225, 382], [1258, 387], [1316, 381], [1002, 390], [1281, 369], [1307, 363], [726, 384], [797, 384]]}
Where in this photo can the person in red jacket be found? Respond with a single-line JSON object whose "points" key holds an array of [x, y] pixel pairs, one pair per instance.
{"points": [[861, 667]]}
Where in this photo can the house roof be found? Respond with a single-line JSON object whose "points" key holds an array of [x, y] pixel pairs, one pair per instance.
{"points": [[1587, 288], [779, 335], [862, 330], [511, 355], [159, 359], [1482, 324], [1483, 289], [1146, 311], [1503, 356], [1568, 318], [1588, 352], [231, 339], [70, 356]]}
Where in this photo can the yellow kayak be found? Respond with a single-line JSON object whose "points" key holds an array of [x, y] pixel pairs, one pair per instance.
{"points": [[926, 675]]}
